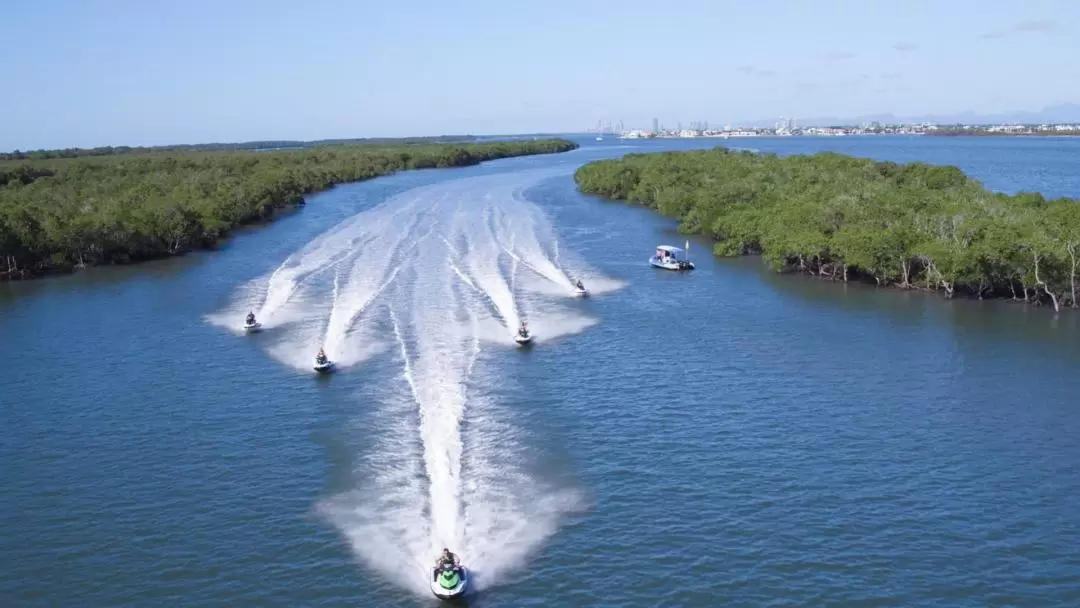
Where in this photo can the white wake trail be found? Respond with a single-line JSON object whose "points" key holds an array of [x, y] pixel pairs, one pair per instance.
{"points": [[483, 263], [452, 260], [508, 512], [527, 225], [386, 517], [374, 267], [441, 365], [441, 272], [334, 247], [322, 255], [490, 511]]}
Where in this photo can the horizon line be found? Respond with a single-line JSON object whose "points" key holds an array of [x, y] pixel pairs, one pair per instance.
{"points": [[464, 138]]}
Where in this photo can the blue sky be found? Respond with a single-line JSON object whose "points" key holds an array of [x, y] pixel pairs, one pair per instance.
{"points": [[138, 72]]}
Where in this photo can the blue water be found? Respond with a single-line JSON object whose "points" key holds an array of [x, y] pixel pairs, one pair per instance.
{"points": [[724, 437]]}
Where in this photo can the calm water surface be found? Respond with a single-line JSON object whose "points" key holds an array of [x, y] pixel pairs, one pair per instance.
{"points": [[726, 437]]}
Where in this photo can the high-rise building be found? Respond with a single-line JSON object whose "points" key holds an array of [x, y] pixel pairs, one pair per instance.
{"points": [[655, 125]]}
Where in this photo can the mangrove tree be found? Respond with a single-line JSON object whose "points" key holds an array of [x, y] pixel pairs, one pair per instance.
{"points": [[844, 218]]}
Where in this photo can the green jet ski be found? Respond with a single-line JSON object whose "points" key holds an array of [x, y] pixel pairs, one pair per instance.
{"points": [[449, 582]]}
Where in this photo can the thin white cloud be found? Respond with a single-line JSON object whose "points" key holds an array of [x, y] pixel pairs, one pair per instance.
{"points": [[1045, 26], [837, 55], [853, 82], [1039, 26], [750, 70], [905, 47]]}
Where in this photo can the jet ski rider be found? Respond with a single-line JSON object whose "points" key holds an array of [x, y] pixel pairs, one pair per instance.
{"points": [[447, 560], [251, 317], [523, 331], [321, 356], [579, 285]]}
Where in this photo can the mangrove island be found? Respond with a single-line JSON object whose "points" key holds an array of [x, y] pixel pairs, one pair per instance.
{"points": [[61, 210], [845, 218]]}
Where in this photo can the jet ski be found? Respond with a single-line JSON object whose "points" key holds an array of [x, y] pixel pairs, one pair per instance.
{"points": [[523, 336], [323, 365], [449, 582], [579, 290], [251, 325]]}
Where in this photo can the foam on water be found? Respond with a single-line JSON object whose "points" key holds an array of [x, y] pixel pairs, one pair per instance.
{"points": [[527, 227], [364, 233], [507, 512], [483, 261], [386, 516], [440, 272], [245, 299]]}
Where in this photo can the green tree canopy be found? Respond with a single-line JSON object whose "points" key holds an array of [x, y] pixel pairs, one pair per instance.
{"points": [[60, 211], [838, 216]]}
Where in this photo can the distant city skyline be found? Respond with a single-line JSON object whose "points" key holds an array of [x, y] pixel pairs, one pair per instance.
{"points": [[1061, 113], [94, 73]]}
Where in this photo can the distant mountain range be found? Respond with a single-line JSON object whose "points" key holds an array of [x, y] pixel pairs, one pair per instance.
{"points": [[1068, 112]]}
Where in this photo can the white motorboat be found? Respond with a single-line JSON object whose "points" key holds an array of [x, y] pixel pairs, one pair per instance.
{"points": [[671, 258]]}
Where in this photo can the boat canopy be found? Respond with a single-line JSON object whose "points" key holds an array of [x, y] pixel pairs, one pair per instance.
{"points": [[669, 249]]}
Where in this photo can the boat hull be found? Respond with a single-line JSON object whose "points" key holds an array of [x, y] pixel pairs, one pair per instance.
{"points": [[581, 293], [523, 340], [252, 327], [453, 593], [679, 265], [324, 368]]}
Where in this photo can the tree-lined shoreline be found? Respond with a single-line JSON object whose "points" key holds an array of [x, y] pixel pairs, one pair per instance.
{"points": [[276, 144], [842, 218], [59, 212]]}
